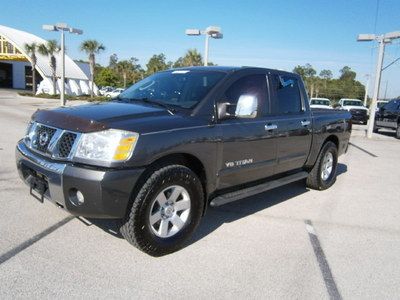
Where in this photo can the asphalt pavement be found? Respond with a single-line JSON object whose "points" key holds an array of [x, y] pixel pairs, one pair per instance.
{"points": [[287, 243]]}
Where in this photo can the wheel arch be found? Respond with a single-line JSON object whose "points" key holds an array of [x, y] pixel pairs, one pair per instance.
{"points": [[188, 160]]}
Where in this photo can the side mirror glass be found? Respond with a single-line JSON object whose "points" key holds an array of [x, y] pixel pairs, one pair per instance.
{"points": [[246, 106]]}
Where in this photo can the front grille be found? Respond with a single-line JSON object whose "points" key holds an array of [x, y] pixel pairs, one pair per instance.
{"points": [[49, 141], [43, 137], [65, 144], [358, 112]]}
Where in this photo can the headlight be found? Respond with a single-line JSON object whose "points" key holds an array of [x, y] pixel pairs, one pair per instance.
{"points": [[108, 146]]}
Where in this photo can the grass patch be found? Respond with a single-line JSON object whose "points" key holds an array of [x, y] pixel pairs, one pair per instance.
{"points": [[67, 97]]}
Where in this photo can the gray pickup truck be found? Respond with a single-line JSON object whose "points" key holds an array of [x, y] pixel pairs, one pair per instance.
{"points": [[177, 142]]}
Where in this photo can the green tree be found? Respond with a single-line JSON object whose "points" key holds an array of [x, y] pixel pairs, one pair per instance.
{"points": [[129, 69], [347, 74], [191, 58], [50, 48], [307, 73], [113, 61], [106, 77], [31, 49], [157, 63], [326, 74], [91, 48]]}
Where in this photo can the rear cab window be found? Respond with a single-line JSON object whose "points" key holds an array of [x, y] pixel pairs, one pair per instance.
{"points": [[286, 95]]}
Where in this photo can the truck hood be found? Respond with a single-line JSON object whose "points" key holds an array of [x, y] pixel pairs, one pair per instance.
{"points": [[348, 107], [97, 116], [320, 106]]}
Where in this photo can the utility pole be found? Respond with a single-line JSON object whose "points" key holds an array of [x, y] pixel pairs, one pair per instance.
{"points": [[382, 40]]}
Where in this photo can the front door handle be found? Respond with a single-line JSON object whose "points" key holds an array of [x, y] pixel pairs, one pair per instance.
{"points": [[271, 127], [305, 123]]}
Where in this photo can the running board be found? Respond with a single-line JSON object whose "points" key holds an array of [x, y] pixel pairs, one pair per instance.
{"points": [[247, 192]]}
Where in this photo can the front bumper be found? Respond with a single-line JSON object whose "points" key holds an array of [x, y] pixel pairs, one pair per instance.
{"points": [[106, 191], [359, 118]]}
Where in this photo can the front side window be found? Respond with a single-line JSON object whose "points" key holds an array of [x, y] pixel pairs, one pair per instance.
{"points": [[181, 88], [247, 94], [286, 93]]}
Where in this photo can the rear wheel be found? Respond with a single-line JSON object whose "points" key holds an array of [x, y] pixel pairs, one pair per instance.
{"points": [[323, 174], [165, 212]]}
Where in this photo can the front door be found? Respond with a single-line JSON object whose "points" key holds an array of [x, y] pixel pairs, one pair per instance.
{"points": [[247, 151], [293, 122]]}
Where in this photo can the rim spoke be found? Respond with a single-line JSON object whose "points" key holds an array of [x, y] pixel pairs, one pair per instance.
{"points": [[182, 205], [161, 199], [155, 218], [163, 230], [175, 194], [177, 221]]}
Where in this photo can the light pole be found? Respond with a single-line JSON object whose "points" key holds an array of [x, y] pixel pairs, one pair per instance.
{"points": [[62, 27], [382, 41], [210, 31], [366, 89]]}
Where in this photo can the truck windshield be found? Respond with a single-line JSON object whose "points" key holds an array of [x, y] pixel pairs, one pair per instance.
{"points": [[179, 88], [352, 103], [320, 102]]}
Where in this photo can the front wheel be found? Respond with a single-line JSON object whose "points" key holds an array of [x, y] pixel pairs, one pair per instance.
{"points": [[323, 174], [165, 212], [398, 131]]}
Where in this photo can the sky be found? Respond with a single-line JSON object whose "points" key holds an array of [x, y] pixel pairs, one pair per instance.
{"points": [[274, 34]]}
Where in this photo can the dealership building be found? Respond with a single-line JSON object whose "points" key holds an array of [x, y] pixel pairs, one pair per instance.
{"points": [[16, 71]]}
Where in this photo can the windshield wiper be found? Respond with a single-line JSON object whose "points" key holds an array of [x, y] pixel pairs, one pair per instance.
{"points": [[147, 100]]}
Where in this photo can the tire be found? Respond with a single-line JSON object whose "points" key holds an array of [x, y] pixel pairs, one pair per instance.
{"points": [[398, 131], [316, 179], [152, 202]]}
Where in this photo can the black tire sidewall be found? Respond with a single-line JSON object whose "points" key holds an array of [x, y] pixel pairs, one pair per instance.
{"points": [[398, 132], [173, 175], [324, 184]]}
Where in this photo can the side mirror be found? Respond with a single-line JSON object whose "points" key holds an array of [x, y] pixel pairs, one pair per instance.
{"points": [[246, 106], [224, 110]]}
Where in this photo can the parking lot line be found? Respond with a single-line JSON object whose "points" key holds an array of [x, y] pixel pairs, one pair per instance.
{"points": [[363, 150], [14, 251], [322, 262]]}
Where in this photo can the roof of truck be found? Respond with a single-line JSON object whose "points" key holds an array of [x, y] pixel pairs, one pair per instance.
{"points": [[226, 69]]}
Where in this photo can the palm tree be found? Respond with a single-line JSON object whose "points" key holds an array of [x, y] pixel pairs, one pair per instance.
{"points": [[49, 49], [31, 51], [192, 58], [92, 47]]}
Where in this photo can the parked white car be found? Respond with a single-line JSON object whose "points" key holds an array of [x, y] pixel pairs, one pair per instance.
{"points": [[320, 103], [359, 112], [114, 93], [105, 89]]}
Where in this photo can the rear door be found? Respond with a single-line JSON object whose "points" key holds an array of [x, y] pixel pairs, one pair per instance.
{"points": [[247, 150], [293, 120]]}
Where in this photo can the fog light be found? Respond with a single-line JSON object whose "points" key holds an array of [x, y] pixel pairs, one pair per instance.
{"points": [[76, 197]]}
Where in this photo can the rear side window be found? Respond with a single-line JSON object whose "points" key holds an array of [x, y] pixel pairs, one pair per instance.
{"points": [[286, 94]]}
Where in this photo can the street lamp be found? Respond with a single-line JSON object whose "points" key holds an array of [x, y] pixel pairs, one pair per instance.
{"points": [[211, 31], [382, 39], [62, 27]]}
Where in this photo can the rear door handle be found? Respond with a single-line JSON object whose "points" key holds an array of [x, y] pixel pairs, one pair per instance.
{"points": [[271, 127], [305, 123]]}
